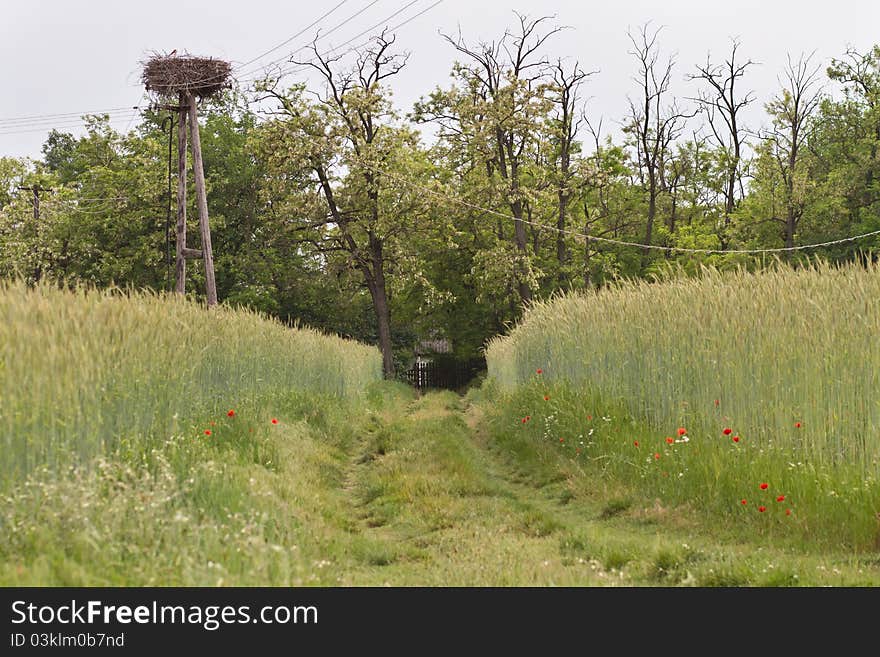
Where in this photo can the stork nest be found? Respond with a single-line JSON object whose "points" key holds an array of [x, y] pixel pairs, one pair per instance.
{"points": [[201, 76]]}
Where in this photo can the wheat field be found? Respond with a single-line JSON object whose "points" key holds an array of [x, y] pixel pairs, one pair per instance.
{"points": [[788, 357], [86, 373]]}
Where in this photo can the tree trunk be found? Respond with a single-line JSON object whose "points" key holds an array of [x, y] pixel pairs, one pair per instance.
{"points": [[790, 227], [561, 253], [564, 195], [379, 293], [652, 213], [525, 292], [519, 231], [588, 278]]}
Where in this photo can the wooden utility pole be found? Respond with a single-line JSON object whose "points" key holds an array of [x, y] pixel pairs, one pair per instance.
{"points": [[186, 78], [187, 112], [202, 201], [180, 280]]}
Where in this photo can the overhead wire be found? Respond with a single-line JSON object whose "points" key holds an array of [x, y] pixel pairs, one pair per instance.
{"points": [[304, 66], [51, 117], [302, 31], [67, 123], [39, 122], [596, 238], [211, 78]]}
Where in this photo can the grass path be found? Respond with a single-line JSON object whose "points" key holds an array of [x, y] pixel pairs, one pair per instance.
{"points": [[401, 491], [447, 513], [440, 500]]}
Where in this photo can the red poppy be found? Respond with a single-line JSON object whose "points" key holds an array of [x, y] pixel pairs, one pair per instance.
{"points": [[539, 371], [589, 417], [736, 439], [546, 397], [524, 420], [682, 431], [636, 443], [781, 498], [743, 502], [717, 402], [669, 441], [207, 432], [656, 456], [562, 440], [274, 421], [797, 424], [762, 509], [230, 413], [528, 417], [788, 512], [727, 431], [764, 486]]}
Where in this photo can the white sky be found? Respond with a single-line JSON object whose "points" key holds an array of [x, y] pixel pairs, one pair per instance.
{"points": [[65, 56]]}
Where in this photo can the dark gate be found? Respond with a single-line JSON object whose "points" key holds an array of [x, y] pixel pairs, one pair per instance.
{"points": [[444, 373]]}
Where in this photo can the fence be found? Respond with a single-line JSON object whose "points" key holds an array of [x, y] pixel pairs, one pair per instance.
{"points": [[449, 374]]}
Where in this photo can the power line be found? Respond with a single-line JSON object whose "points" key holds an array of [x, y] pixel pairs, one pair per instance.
{"points": [[276, 61], [298, 68], [131, 120], [302, 31], [66, 124], [617, 242], [30, 118], [40, 122], [324, 36], [33, 120]]}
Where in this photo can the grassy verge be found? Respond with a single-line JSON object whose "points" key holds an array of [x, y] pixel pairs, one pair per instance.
{"points": [[253, 504], [632, 515], [750, 398]]}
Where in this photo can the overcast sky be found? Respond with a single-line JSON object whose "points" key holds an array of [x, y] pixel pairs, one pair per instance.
{"points": [[60, 57]]}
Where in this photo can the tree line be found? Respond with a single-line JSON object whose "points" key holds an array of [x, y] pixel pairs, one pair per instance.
{"points": [[330, 207]]}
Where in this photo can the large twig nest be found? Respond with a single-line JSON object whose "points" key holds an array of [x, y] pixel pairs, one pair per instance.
{"points": [[167, 75]]}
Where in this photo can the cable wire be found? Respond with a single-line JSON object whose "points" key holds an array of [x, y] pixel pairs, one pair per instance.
{"points": [[677, 249], [302, 67]]}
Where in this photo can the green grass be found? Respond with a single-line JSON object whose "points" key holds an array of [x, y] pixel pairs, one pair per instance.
{"points": [[755, 353], [394, 490], [361, 481], [138, 442]]}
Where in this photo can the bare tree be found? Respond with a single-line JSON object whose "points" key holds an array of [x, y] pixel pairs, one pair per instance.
{"points": [[566, 87], [722, 105], [792, 110], [653, 123]]}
